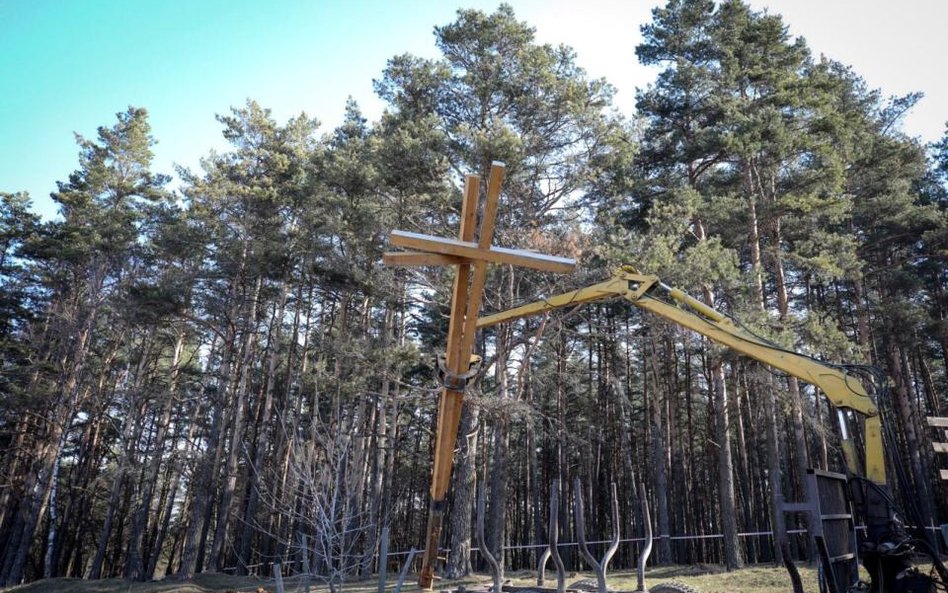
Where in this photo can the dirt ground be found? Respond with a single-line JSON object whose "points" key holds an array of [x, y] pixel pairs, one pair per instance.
{"points": [[703, 578]]}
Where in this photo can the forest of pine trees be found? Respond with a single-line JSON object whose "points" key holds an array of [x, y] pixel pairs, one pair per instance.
{"points": [[210, 376]]}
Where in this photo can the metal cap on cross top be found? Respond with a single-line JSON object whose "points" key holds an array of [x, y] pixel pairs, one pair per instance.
{"points": [[471, 259]]}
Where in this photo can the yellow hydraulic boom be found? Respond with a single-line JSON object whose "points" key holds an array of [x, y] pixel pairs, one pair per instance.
{"points": [[844, 390]]}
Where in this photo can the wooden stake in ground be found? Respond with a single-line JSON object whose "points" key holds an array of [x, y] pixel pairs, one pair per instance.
{"points": [[472, 259]]}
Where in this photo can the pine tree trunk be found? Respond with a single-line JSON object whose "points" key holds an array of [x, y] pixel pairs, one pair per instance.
{"points": [[775, 472], [375, 457], [225, 508], [262, 446], [137, 565], [86, 471], [732, 549], [800, 456], [202, 485], [35, 503], [497, 486], [733, 553], [13, 461], [658, 456], [296, 368], [463, 488], [176, 471], [618, 381], [561, 443], [95, 572], [774, 468], [907, 416], [49, 569], [743, 451]]}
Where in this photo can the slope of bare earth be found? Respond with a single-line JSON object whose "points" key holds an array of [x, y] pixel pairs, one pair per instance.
{"points": [[704, 579]]}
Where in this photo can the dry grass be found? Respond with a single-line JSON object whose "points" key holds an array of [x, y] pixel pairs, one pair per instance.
{"points": [[202, 583], [703, 578], [707, 579]]}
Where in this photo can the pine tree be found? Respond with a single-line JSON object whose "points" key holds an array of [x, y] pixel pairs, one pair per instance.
{"points": [[87, 259]]}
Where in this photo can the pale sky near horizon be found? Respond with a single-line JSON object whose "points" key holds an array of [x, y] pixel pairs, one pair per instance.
{"points": [[70, 66]]}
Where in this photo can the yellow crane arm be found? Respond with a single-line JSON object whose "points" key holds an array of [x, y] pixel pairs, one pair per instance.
{"points": [[843, 389]]}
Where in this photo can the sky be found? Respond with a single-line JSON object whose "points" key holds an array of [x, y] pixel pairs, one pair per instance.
{"points": [[69, 66]]}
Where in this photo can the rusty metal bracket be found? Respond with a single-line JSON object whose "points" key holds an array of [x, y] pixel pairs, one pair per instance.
{"points": [[455, 381]]}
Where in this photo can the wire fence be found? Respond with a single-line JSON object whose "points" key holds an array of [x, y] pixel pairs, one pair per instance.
{"points": [[442, 551], [692, 537], [630, 539]]}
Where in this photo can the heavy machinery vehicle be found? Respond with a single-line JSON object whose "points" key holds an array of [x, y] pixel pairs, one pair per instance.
{"points": [[886, 547]]}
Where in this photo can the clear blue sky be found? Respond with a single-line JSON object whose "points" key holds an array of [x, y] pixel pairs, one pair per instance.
{"points": [[68, 66]]}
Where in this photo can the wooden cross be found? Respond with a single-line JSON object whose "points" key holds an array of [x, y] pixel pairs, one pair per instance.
{"points": [[472, 259]]}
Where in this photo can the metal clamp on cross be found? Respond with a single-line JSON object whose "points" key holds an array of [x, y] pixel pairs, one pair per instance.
{"points": [[472, 259]]}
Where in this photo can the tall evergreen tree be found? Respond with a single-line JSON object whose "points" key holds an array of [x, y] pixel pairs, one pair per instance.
{"points": [[88, 258]]}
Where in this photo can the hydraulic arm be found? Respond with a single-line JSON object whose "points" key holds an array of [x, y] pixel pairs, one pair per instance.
{"points": [[846, 391], [886, 549]]}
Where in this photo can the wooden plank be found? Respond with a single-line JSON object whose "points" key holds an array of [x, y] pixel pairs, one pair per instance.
{"points": [[456, 360], [486, 236], [937, 421], [449, 410], [500, 255], [944, 474], [472, 188], [940, 447], [418, 258]]}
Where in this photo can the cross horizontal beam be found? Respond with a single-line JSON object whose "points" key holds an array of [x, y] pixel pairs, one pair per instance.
{"points": [[416, 258], [471, 251]]}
